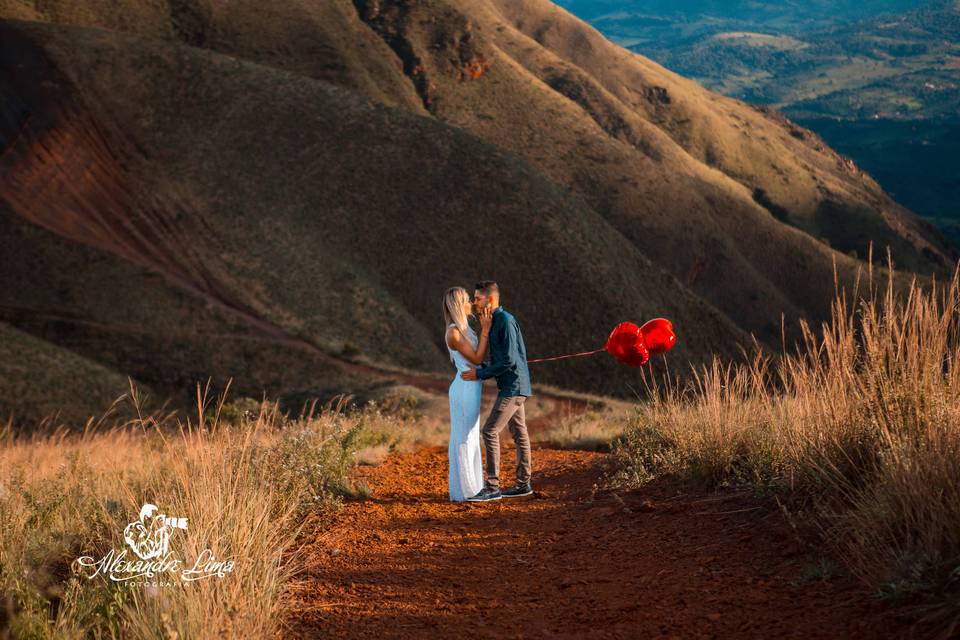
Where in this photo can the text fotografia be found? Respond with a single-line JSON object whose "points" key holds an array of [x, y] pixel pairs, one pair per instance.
{"points": [[152, 561]]}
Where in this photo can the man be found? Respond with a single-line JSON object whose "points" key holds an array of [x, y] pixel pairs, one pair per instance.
{"points": [[508, 364]]}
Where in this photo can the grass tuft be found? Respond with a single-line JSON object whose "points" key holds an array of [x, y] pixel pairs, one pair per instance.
{"points": [[862, 422], [250, 480]]}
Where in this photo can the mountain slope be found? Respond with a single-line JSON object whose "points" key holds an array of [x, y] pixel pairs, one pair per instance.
{"points": [[212, 215], [700, 183], [705, 186], [883, 90], [496, 139], [318, 39], [40, 380]]}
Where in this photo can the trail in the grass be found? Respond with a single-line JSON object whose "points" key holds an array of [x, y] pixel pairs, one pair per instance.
{"points": [[567, 562]]}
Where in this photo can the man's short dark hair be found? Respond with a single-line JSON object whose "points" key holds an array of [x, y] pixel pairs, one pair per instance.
{"points": [[487, 287]]}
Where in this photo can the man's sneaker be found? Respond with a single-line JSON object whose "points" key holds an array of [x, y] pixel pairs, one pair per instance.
{"points": [[485, 494], [517, 490]]}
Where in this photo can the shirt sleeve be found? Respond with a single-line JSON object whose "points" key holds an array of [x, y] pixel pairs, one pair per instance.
{"points": [[501, 353]]}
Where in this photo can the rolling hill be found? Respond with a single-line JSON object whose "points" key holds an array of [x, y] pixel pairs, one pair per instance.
{"points": [[274, 196]]}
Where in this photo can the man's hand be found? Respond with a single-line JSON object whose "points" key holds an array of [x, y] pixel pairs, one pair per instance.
{"points": [[469, 374]]}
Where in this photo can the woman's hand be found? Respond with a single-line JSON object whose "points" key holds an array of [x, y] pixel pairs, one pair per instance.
{"points": [[486, 320]]}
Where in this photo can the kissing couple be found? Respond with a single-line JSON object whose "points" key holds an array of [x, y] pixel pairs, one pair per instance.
{"points": [[500, 336]]}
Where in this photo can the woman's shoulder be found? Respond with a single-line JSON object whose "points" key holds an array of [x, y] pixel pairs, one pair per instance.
{"points": [[452, 332]]}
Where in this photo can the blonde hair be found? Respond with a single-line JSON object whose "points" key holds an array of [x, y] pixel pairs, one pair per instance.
{"points": [[453, 301]]}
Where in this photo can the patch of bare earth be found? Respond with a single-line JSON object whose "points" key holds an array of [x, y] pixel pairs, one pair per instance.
{"points": [[567, 562]]}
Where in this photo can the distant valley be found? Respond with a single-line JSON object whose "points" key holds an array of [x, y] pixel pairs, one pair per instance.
{"points": [[879, 81]]}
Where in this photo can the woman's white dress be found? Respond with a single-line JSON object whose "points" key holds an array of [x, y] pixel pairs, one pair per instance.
{"points": [[466, 464]]}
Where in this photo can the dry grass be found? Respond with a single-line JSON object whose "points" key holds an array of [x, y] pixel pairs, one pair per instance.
{"points": [[592, 430], [249, 486], [863, 422]]}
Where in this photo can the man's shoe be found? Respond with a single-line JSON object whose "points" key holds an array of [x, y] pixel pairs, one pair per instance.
{"points": [[517, 490], [486, 494]]}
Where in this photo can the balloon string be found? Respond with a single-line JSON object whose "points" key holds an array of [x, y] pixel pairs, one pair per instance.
{"points": [[571, 355]]}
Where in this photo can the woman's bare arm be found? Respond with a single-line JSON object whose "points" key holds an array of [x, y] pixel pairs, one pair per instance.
{"points": [[458, 342]]}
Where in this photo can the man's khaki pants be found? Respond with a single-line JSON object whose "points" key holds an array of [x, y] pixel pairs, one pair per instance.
{"points": [[506, 411]]}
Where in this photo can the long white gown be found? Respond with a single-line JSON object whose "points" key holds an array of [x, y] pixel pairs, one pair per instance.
{"points": [[466, 464]]}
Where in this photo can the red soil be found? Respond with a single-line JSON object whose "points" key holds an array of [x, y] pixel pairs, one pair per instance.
{"points": [[566, 562]]}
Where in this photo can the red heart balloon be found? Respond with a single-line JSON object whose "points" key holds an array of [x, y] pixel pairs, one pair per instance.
{"points": [[658, 335], [622, 339], [638, 355], [626, 344]]}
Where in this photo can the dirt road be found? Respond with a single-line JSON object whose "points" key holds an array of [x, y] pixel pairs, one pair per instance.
{"points": [[568, 562]]}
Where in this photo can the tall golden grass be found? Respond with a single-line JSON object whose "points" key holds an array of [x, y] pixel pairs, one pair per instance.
{"points": [[863, 422], [249, 487]]}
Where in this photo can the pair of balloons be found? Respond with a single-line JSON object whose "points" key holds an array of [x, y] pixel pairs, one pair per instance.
{"points": [[633, 345]]}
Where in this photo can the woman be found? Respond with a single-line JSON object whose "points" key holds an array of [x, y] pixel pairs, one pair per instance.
{"points": [[466, 465]]}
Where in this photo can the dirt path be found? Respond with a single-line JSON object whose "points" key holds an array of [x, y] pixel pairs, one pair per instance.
{"points": [[564, 563]]}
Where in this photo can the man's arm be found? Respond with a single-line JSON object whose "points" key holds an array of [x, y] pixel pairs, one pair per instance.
{"points": [[501, 352]]}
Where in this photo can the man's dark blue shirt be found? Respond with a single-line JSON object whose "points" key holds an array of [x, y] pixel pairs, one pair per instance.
{"points": [[508, 357]]}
